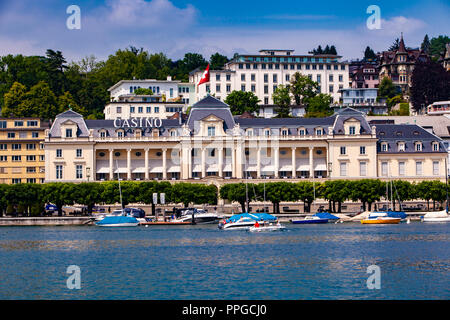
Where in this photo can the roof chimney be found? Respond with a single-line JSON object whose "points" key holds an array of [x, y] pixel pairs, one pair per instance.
{"points": [[169, 78]]}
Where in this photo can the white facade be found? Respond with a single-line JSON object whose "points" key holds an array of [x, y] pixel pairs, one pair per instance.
{"points": [[264, 72]]}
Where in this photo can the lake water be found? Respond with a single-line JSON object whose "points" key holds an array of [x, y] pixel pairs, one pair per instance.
{"points": [[201, 262]]}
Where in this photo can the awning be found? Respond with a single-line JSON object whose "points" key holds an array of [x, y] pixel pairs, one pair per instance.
{"points": [[320, 164], [120, 170], [267, 168], [227, 168], [212, 168], [251, 168], [138, 170], [302, 164], [156, 170], [197, 168], [174, 169], [285, 165], [103, 170]]}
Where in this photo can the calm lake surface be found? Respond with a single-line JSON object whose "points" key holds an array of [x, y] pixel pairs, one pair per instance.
{"points": [[201, 262]]}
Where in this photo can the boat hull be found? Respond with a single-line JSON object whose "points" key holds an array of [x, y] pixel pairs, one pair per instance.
{"points": [[445, 219], [308, 221], [266, 229], [119, 225], [381, 221]]}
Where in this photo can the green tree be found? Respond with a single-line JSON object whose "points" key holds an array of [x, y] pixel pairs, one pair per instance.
{"points": [[3, 200], [143, 91], [336, 191], [306, 193], [13, 100], [319, 106], [395, 45], [302, 88], [66, 101], [277, 192], [88, 194], [217, 61], [59, 194], [425, 46], [367, 191], [437, 45], [387, 89], [282, 100], [40, 102], [237, 192], [241, 101], [369, 54]]}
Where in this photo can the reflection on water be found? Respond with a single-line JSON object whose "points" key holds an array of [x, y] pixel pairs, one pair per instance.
{"points": [[202, 262]]}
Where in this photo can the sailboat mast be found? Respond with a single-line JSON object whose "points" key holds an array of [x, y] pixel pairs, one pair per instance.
{"points": [[120, 189]]}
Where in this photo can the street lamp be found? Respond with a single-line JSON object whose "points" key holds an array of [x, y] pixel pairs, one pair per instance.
{"points": [[88, 173]]}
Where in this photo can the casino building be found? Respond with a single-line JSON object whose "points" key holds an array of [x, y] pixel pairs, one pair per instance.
{"points": [[213, 145]]}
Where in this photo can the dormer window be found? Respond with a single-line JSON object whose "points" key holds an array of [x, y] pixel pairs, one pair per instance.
{"points": [[319, 132], [211, 131], [401, 146], [155, 133], [284, 132], [418, 146], [120, 134], [173, 133], [102, 134], [435, 146], [138, 133], [267, 132], [352, 130], [249, 132], [301, 132], [68, 133], [384, 146]]}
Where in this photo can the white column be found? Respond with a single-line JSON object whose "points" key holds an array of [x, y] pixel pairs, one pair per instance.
{"points": [[258, 162], [220, 150], [311, 162], [203, 162], [128, 164], [233, 162], [240, 158], [111, 164], [147, 176], [277, 160], [164, 150], [293, 162], [189, 175]]}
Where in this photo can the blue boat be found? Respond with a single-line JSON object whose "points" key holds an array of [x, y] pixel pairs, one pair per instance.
{"points": [[118, 221], [319, 217], [389, 213]]}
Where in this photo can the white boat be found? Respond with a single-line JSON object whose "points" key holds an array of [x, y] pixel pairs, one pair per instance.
{"points": [[245, 221], [267, 228], [114, 213], [117, 221], [197, 216], [438, 216]]}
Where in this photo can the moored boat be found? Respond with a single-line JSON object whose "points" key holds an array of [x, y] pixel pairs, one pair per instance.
{"points": [[310, 220], [196, 216], [117, 221], [244, 221], [438, 216], [266, 227], [380, 218]]}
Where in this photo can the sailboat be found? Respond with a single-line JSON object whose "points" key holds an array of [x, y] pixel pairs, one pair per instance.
{"points": [[120, 220]]}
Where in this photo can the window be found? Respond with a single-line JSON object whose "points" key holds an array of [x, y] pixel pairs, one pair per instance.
{"points": [[35, 134], [18, 123], [79, 171], [266, 90], [132, 109], [140, 109], [401, 168], [318, 78], [243, 87], [301, 132], [418, 146], [275, 78], [171, 92], [31, 158], [249, 132], [267, 132], [401, 146], [211, 131], [32, 123], [218, 88], [228, 88], [16, 180], [119, 109], [330, 78], [384, 147], [3, 124], [253, 77], [266, 99], [330, 88], [11, 135], [419, 168], [243, 77], [218, 77], [288, 77], [341, 78], [266, 77], [435, 146], [59, 172], [343, 169], [79, 153], [436, 168], [284, 132], [3, 158], [362, 150], [352, 130], [31, 169], [384, 168], [319, 132], [16, 146], [253, 88], [363, 169], [16, 158], [68, 133], [157, 108], [31, 146], [3, 146], [31, 180], [343, 150]]}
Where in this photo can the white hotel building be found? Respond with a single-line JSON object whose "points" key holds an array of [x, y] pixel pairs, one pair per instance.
{"points": [[168, 97], [262, 73]]}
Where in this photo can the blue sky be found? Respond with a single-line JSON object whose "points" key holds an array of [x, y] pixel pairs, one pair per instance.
{"points": [[205, 26]]}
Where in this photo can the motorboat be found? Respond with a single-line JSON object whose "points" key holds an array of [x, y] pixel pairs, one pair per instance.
{"points": [[379, 217], [195, 216], [244, 221], [437, 216], [114, 213], [310, 220], [257, 227], [118, 221]]}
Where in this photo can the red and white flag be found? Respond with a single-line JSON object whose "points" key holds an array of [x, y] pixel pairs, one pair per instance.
{"points": [[205, 76]]}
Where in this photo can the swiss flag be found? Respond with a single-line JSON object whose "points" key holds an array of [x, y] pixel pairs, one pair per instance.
{"points": [[205, 76]]}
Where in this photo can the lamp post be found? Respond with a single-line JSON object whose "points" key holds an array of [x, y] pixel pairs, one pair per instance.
{"points": [[88, 173]]}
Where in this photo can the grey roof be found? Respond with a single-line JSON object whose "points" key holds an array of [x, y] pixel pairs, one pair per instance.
{"points": [[210, 102], [409, 134], [82, 130], [279, 122], [349, 113], [108, 126]]}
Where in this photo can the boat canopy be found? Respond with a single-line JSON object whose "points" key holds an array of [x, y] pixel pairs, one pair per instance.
{"points": [[117, 220], [252, 216], [436, 214], [326, 215]]}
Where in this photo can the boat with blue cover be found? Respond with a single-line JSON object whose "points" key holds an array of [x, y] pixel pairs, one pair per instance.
{"points": [[319, 217], [118, 221], [243, 221]]}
